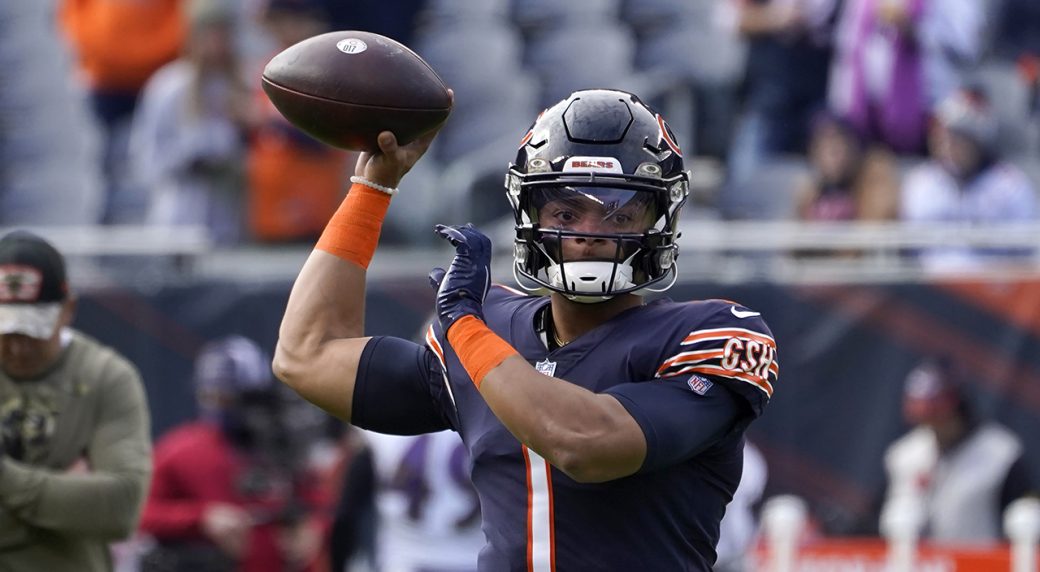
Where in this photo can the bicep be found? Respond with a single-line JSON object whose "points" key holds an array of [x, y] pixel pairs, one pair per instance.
{"points": [[678, 422], [325, 378]]}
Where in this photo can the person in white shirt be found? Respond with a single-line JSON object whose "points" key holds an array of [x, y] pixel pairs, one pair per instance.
{"points": [[966, 181], [187, 139], [427, 513], [739, 527], [960, 471]]}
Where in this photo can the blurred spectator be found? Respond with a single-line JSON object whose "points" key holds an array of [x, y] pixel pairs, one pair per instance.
{"points": [[739, 527], [75, 450], [49, 147], [188, 134], [429, 515], [786, 77], [119, 45], [961, 471], [295, 182], [848, 180], [226, 493], [965, 180], [896, 59]]}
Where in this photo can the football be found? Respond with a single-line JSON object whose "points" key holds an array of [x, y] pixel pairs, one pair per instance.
{"points": [[344, 88]]}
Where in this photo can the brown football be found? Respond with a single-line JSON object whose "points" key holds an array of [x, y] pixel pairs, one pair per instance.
{"points": [[344, 88]]}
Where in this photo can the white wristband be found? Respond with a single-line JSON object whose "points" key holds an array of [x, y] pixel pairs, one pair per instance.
{"points": [[363, 181]]}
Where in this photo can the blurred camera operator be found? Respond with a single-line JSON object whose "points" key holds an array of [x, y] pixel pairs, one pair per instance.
{"points": [[226, 493]]}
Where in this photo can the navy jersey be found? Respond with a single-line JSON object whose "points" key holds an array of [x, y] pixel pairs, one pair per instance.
{"points": [[670, 365]]}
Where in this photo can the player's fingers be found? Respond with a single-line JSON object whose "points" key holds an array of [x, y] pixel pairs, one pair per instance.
{"points": [[387, 143], [436, 276], [362, 163], [451, 234]]}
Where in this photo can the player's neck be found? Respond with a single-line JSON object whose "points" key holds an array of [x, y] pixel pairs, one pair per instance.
{"points": [[572, 319]]}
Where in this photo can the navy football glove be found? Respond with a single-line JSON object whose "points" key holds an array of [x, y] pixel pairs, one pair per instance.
{"points": [[462, 289]]}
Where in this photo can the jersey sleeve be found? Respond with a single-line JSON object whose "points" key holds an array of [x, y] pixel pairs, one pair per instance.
{"points": [[400, 389], [679, 421], [731, 346]]}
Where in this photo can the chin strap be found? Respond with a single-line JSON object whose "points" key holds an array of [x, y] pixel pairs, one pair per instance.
{"points": [[675, 276]]}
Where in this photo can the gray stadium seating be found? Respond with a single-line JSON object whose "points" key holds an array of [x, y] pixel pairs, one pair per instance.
{"points": [[548, 14]]}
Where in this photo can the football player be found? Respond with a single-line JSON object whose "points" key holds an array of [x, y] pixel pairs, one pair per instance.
{"points": [[605, 432]]}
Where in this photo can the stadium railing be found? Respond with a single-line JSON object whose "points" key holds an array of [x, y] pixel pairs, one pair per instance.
{"points": [[724, 251]]}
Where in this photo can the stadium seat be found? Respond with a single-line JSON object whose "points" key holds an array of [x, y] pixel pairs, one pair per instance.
{"points": [[501, 107], [534, 15], [454, 11], [583, 56], [648, 15], [768, 193], [1010, 99], [482, 64], [464, 52], [708, 56]]}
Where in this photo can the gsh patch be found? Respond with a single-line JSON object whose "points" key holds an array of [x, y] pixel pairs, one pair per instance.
{"points": [[698, 384]]}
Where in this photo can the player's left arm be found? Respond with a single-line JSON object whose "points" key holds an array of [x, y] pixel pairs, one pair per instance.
{"points": [[632, 427], [589, 436], [106, 500]]}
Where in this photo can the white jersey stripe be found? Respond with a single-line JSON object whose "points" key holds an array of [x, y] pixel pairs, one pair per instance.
{"points": [[699, 336], [438, 350], [540, 549]]}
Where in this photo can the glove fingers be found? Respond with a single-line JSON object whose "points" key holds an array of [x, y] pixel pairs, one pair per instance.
{"points": [[436, 277], [451, 234]]}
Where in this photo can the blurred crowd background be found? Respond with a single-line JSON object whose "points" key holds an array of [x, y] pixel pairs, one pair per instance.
{"points": [[865, 173], [819, 110]]}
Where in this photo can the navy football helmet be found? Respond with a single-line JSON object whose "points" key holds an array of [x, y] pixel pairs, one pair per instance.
{"points": [[596, 190]]}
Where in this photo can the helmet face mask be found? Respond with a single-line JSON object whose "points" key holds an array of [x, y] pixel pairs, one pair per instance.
{"points": [[596, 190]]}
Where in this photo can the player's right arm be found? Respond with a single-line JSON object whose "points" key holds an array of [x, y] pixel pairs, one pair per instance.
{"points": [[321, 338]]}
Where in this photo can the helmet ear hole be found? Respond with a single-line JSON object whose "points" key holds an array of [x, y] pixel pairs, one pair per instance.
{"points": [[520, 254]]}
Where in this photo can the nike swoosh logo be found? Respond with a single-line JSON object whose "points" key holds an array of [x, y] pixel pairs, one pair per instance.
{"points": [[741, 313]]}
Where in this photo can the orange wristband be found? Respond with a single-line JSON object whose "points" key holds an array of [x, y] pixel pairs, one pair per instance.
{"points": [[479, 349], [353, 232]]}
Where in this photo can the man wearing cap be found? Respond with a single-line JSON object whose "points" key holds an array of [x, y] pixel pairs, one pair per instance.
{"points": [[962, 472], [75, 452]]}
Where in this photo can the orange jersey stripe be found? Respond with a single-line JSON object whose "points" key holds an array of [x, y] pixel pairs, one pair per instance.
{"points": [[689, 357], [774, 368]]}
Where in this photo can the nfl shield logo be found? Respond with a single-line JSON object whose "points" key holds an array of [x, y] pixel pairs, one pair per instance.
{"points": [[546, 367], [699, 385]]}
